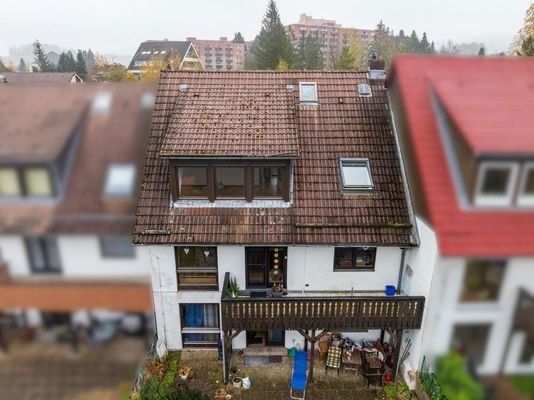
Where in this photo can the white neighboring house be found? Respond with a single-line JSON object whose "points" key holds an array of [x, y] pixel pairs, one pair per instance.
{"points": [[288, 184], [465, 126], [69, 172]]}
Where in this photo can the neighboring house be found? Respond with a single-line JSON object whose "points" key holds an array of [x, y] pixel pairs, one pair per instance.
{"points": [[220, 55], [331, 35], [166, 50], [39, 77], [69, 169], [467, 132], [290, 183], [52, 57]]}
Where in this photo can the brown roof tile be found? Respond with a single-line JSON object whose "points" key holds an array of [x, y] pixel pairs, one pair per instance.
{"points": [[37, 77], [342, 125]]}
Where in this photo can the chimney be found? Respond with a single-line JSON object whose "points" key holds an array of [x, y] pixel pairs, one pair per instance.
{"points": [[376, 67]]}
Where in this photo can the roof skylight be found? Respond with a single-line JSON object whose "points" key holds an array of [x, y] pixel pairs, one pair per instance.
{"points": [[308, 92], [364, 90], [120, 180], [355, 174]]}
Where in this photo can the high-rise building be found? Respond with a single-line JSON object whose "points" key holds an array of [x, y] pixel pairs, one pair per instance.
{"points": [[220, 55], [332, 36]]}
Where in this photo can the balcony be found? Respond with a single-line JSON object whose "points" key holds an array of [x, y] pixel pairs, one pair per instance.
{"points": [[336, 311]]}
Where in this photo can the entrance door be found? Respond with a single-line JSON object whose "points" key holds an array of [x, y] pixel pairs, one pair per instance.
{"points": [[265, 267], [265, 338]]}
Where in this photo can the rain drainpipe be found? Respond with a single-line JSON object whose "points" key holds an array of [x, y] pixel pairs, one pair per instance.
{"points": [[401, 268]]}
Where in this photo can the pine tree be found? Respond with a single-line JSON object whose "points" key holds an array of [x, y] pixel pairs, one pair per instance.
{"points": [[22, 66], [346, 60], [273, 42], [413, 43], [81, 68], [424, 45], [40, 57], [482, 51], [238, 38], [90, 61]]}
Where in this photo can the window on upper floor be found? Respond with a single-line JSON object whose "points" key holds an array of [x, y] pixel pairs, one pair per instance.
{"points": [[482, 280], [355, 174], [215, 181], [120, 180], [43, 254], [116, 246], [354, 258], [196, 267], [308, 92], [526, 190], [34, 182]]}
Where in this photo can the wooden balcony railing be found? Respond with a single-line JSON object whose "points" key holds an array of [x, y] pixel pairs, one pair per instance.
{"points": [[321, 312]]}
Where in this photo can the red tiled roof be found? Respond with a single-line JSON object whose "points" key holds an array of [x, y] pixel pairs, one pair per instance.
{"points": [[119, 137], [246, 117], [342, 125], [490, 99]]}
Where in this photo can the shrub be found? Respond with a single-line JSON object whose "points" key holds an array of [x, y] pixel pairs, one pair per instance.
{"points": [[455, 380], [399, 391]]}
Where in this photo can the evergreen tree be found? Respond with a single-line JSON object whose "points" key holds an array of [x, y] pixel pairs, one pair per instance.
{"points": [[413, 43], [273, 42], [66, 62], [81, 68], [424, 45], [40, 57], [346, 60], [3, 67], [22, 66], [401, 34], [90, 63], [482, 51], [238, 38], [309, 54]]}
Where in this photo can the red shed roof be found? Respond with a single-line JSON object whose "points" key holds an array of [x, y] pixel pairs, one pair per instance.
{"points": [[490, 100]]}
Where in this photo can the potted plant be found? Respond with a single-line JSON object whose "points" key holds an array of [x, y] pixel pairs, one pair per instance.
{"points": [[185, 373], [237, 382], [246, 380], [233, 287], [220, 394], [277, 290]]}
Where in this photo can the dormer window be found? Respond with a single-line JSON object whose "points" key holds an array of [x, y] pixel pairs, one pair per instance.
{"points": [[355, 174], [496, 183], [38, 182], [308, 92], [526, 193], [9, 182], [231, 180], [120, 180], [34, 182]]}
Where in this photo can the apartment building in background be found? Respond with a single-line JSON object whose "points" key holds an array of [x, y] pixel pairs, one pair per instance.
{"points": [[291, 184], [331, 35], [69, 171], [220, 55], [466, 132]]}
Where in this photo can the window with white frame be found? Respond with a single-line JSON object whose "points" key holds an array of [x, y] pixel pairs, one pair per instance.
{"points": [[496, 183], [308, 92], [200, 324], [355, 174], [526, 190], [120, 180]]}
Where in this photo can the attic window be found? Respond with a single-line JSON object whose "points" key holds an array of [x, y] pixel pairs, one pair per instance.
{"points": [[364, 90], [308, 92], [496, 183], [120, 180], [101, 103], [355, 174]]}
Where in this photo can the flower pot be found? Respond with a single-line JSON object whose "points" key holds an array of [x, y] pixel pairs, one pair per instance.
{"points": [[183, 377], [236, 382], [246, 382]]}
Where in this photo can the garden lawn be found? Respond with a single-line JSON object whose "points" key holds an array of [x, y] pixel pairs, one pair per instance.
{"points": [[523, 383]]}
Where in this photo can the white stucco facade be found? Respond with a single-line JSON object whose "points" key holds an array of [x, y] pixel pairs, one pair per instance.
{"points": [[447, 312], [309, 268]]}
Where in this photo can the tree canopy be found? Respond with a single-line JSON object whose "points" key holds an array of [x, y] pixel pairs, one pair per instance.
{"points": [[524, 43], [40, 58], [273, 43], [238, 38], [309, 54]]}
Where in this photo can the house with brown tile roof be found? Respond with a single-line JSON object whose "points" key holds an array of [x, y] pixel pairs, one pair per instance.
{"points": [[70, 164], [289, 185]]}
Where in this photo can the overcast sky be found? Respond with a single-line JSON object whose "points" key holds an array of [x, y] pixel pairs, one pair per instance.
{"points": [[118, 26]]}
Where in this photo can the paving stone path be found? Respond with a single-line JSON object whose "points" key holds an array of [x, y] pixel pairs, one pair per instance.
{"points": [[48, 371]]}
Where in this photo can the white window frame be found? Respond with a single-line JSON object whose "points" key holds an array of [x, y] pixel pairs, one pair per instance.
{"points": [[360, 88], [303, 101], [525, 200], [350, 188], [504, 200]]}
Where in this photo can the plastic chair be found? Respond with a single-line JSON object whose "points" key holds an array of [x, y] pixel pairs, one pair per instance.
{"points": [[299, 375]]}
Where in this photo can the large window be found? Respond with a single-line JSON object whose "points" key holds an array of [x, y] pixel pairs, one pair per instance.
{"points": [[43, 254], [482, 280], [247, 181], [200, 324], [471, 340], [196, 268], [265, 267], [116, 246], [354, 258]]}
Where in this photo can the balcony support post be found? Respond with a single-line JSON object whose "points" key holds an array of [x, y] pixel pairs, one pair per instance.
{"points": [[312, 339], [227, 354]]}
